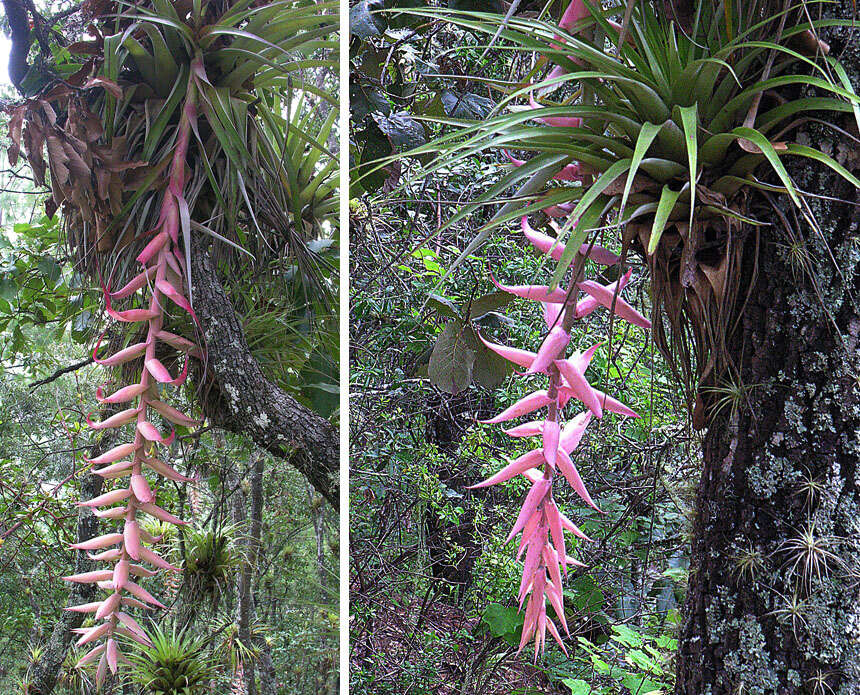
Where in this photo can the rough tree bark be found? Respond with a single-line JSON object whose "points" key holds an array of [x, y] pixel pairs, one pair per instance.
{"points": [[240, 398], [758, 618]]}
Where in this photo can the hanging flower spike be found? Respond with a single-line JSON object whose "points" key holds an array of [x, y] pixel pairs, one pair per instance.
{"points": [[552, 247], [160, 279], [555, 121], [541, 524]]}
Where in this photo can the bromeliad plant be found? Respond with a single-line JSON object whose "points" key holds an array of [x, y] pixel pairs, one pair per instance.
{"points": [[673, 134], [180, 120]]}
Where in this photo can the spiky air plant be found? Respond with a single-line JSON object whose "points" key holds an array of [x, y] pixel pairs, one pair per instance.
{"points": [[210, 557], [673, 134], [177, 123]]}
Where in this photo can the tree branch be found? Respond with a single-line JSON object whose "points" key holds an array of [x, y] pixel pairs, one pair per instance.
{"points": [[63, 370], [19, 25], [242, 400]]}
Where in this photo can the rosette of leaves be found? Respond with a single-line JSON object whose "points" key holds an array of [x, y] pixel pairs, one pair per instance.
{"points": [[675, 134], [175, 664], [261, 174], [458, 358], [210, 556]]}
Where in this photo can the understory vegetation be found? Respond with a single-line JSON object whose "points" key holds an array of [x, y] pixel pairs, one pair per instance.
{"points": [[295, 631], [432, 585], [676, 138]]}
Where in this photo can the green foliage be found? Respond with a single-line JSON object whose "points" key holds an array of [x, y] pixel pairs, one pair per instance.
{"points": [[697, 93], [37, 292], [459, 357], [210, 557], [630, 661], [411, 510], [175, 664]]}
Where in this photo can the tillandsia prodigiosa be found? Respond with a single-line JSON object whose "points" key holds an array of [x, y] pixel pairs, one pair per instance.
{"points": [[162, 281], [176, 123], [672, 133], [541, 522]]}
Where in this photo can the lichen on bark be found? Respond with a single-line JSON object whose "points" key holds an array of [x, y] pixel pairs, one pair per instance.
{"points": [[781, 475]]}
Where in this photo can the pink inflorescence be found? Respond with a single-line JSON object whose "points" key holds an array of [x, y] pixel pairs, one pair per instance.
{"points": [[161, 280], [541, 522]]}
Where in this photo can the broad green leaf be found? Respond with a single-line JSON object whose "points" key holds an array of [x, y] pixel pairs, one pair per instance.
{"points": [[452, 359], [490, 302], [502, 621], [668, 198], [689, 120], [819, 156], [769, 152], [643, 142]]}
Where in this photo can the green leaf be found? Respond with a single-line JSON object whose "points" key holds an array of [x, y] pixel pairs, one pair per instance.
{"points": [[50, 270], [466, 106], [403, 131], [846, 82], [8, 289], [452, 360], [643, 142], [767, 149], [668, 197], [689, 121], [503, 621], [819, 156], [489, 370], [577, 686], [490, 302], [626, 636], [607, 177], [445, 306]]}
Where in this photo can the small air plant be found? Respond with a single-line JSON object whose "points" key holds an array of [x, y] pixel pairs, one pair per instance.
{"points": [[792, 609], [819, 684], [729, 394], [540, 521], [749, 563], [810, 556], [162, 279], [211, 555], [811, 488], [173, 663]]}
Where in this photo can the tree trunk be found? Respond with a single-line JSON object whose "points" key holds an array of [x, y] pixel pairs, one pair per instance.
{"points": [[318, 519], [240, 399], [772, 605], [246, 595]]}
